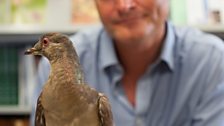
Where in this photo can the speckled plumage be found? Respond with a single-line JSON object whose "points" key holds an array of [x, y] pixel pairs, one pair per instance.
{"points": [[65, 99]]}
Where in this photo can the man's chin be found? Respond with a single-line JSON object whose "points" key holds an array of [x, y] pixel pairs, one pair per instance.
{"points": [[126, 37], [127, 34]]}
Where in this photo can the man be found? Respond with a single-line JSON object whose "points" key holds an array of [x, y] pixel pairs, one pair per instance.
{"points": [[155, 74]]}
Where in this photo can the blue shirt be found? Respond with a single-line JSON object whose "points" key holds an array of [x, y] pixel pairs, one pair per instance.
{"points": [[184, 87]]}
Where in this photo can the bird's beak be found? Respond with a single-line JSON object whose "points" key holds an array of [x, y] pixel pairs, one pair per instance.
{"points": [[34, 50], [30, 51]]}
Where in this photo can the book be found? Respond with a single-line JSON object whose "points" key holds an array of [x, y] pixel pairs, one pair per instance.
{"points": [[28, 11], [215, 11], [84, 12], [5, 11]]}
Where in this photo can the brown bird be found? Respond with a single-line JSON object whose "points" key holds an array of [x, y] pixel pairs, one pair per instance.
{"points": [[66, 100]]}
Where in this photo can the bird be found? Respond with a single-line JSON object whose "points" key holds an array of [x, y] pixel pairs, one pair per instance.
{"points": [[66, 99]]}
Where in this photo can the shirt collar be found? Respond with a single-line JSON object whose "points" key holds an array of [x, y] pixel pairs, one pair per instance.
{"points": [[167, 54], [107, 52], [108, 56]]}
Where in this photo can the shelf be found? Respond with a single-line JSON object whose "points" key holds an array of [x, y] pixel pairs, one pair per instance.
{"points": [[18, 39], [40, 29], [217, 28], [29, 34], [14, 110]]}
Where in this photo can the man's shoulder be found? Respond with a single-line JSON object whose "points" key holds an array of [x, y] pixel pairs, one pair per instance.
{"points": [[193, 39]]}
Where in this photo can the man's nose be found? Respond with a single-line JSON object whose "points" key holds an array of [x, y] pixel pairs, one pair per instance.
{"points": [[125, 5]]}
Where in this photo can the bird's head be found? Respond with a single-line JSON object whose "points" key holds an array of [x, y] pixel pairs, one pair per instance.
{"points": [[51, 45]]}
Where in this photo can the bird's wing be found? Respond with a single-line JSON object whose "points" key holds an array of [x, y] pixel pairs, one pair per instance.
{"points": [[39, 117], [105, 114]]}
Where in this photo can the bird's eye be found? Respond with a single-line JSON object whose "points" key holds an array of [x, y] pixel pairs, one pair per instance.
{"points": [[45, 41]]}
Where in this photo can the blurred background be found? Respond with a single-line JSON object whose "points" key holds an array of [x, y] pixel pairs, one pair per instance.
{"points": [[23, 21]]}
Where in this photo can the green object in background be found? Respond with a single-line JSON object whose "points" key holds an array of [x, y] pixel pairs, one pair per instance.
{"points": [[28, 11], [9, 85], [178, 12]]}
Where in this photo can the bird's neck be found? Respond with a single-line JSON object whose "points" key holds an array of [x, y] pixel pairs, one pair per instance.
{"points": [[67, 69]]}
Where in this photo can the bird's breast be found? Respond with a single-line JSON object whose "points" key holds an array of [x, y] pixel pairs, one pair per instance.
{"points": [[70, 102]]}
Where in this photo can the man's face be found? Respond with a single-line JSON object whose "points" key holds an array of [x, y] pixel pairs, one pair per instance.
{"points": [[128, 20]]}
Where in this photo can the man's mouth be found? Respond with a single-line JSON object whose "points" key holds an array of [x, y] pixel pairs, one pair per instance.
{"points": [[130, 20]]}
